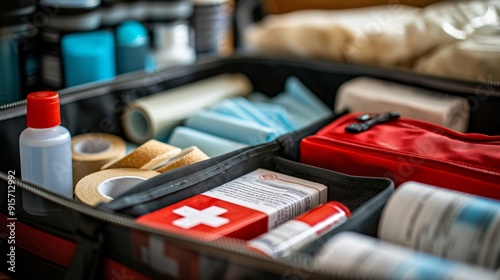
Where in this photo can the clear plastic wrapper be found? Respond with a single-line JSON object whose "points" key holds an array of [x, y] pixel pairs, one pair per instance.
{"points": [[392, 35]]}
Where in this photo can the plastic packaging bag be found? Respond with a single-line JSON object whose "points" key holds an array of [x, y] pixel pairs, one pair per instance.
{"points": [[387, 35]]}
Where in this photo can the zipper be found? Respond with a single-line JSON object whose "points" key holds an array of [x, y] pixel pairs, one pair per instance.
{"points": [[226, 248], [470, 137], [367, 121]]}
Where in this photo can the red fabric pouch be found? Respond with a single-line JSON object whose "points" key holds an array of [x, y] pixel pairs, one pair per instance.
{"points": [[405, 149]]}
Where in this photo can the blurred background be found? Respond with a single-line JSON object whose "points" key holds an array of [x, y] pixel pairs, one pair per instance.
{"points": [[55, 44]]}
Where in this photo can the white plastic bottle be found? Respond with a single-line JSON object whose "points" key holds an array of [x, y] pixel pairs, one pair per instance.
{"points": [[45, 149]]}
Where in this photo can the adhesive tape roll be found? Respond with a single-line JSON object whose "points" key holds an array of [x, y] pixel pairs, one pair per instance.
{"points": [[142, 155], [105, 185], [155, 115], [90, 151], [187, 156]]}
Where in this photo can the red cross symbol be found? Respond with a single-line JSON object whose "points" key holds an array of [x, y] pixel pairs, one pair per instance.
{"points": [[194, 217]]}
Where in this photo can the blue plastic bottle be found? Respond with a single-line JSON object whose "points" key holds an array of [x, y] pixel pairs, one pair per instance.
{"points": [[45, 148]]}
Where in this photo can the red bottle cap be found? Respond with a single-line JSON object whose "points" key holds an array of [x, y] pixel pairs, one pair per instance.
{"points": [[340, 205], [43, 109]]}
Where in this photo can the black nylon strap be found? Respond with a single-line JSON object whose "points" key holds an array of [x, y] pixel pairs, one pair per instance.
{"points": [[87, 257]]}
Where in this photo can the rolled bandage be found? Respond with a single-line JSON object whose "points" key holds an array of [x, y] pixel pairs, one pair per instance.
{"points": [[154, 116], [371, 95], [141, 156], [90, 151], [105, 185]]}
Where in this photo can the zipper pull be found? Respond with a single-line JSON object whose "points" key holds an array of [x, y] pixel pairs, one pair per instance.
{"points": [[360, 127]]}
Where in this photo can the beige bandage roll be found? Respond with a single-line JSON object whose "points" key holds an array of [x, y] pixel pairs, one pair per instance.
{"points": [[155, 115], [105, 185], [188, 156], [90, 151], [368, 95], [142, 155]]}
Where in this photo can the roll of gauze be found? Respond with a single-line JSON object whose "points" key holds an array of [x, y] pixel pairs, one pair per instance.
{"points": [[371, 95]]}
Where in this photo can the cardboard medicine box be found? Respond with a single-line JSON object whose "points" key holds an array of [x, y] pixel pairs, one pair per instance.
{"points": [[243, 208]]}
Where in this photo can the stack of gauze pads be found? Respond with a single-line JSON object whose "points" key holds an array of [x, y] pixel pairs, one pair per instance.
{"points": [[238, 122]]}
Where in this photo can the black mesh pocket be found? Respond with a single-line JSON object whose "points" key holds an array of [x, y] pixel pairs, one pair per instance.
{"points": [[350, 190]]}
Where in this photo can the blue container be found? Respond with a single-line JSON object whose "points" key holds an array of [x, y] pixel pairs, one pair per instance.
{"points": [[88, 57], [60, 19], [132, 47]]}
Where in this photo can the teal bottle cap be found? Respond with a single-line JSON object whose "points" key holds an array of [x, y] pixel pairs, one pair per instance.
{"points": [[131, 33]]}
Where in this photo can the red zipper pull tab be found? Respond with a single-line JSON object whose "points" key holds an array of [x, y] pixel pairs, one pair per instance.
{"points": [[360, 127]]}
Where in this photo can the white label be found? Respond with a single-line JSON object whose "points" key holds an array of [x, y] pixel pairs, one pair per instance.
{"points": [[280, 196], [444, 223], [284, 239], [293, 235]]}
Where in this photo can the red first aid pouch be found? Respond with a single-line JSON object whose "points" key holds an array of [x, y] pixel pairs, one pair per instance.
{"points": [[406, 149]]}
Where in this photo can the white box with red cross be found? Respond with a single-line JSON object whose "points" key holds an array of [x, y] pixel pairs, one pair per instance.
{"points": [[242, 208]]}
